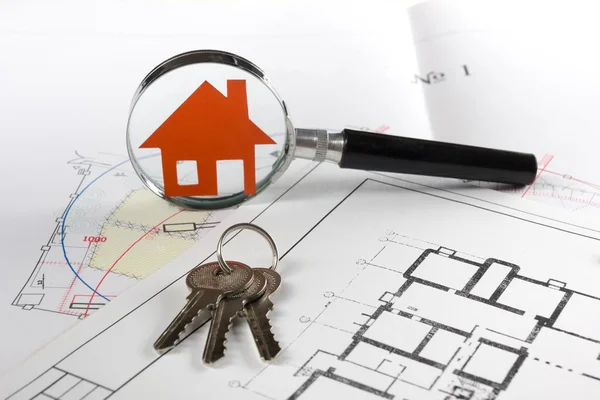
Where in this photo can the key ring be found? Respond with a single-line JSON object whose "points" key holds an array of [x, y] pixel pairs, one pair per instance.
{"points": [[223, 264]]}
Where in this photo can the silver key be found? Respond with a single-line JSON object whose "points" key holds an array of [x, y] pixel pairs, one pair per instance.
{"points": [[256, 312], [227, 309], [208, 285]]}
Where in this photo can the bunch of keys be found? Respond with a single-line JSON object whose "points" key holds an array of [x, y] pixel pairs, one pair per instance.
{"points": [[222, 291]]}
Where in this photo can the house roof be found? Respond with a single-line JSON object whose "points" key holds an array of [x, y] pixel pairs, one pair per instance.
{"points": [[210, 120]]}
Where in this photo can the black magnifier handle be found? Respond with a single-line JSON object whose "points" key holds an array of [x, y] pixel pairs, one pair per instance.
{"points": [[369, 151]]}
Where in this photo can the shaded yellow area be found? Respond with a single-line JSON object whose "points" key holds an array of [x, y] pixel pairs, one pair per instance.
{"points": [[143, 207], [132, 247]]}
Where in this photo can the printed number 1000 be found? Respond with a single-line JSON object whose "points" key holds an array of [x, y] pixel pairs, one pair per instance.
{"points": [[94, 239]]}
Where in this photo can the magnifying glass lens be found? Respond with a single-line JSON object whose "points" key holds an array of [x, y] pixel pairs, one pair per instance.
{"points": [[207, 134]]}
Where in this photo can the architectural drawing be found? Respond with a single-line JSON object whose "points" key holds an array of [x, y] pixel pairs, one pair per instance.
{"points": [[414, 319], [112, 233], [486, 323], [471, 342]]}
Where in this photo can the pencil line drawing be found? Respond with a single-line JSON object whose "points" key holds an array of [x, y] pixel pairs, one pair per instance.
{"points": [[112, 233], [471, 345]]}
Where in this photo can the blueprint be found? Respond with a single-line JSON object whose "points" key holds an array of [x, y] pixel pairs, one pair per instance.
{"points": [[455, 328], [112, 233], [432, 294]]}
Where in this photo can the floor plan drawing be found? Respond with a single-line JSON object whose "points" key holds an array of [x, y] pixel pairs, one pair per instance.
{"points": [[112, 233], [375, 305], [486, 320]]}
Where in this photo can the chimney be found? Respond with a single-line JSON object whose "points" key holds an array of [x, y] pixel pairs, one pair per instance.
{"points": [[236, 94]]}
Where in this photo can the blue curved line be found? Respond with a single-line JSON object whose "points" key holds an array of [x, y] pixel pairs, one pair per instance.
{"points": [[62, 239]]}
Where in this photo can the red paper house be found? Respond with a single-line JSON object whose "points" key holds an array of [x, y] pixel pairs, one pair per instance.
{"points": [[206, 128]]}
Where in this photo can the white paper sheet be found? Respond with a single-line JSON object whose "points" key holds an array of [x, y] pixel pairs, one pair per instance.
{"points": [[430, 293]]}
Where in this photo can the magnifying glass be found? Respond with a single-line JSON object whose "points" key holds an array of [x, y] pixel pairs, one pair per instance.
{"points": [[207, 130]]}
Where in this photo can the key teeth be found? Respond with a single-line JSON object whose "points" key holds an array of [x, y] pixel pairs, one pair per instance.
{"points": [[184, 329], [162, 349], [217, 355], [274, 344], [225, 333], [268, 321], [194, 318]]}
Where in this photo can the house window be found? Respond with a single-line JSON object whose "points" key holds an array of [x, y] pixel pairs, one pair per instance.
{"points": [[187, 172], [230, 176]]}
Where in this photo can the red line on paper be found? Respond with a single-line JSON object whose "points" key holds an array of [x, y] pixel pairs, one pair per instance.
{"points": [[123, 255], [568, 198], [70, 289], [78, 297], [382, 129], [60, 263], [543, 164], [575, 179]]}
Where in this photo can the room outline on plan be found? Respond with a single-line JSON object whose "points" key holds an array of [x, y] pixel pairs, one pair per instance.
{"points": [[476, 363], [450, 325]]}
